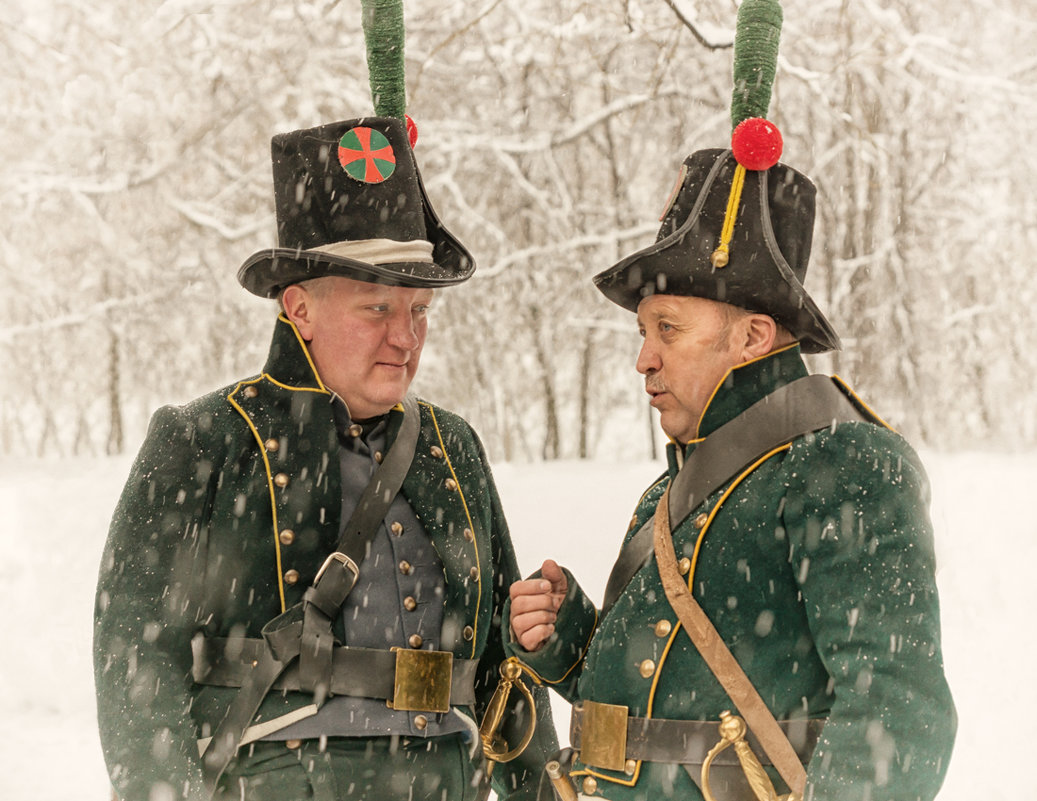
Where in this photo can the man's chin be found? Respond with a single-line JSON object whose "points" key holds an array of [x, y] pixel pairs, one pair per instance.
{"points": [[675, 430], [375, 405], [394, 395]]}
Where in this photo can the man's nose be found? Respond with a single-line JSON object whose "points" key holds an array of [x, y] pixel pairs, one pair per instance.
{"points": [[647, 359], [403, 332]]}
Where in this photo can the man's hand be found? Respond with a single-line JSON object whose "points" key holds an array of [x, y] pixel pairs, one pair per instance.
{"points": [[535, 604]]}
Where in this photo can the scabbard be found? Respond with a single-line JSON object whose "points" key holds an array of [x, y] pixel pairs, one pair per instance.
{"points": [[560, 782]]}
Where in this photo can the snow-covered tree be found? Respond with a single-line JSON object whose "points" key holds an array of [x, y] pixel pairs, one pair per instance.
{"points": [[137, 179]]}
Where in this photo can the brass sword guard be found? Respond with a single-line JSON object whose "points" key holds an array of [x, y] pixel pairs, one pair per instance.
{"points": [[493, 744], [732, 733]]}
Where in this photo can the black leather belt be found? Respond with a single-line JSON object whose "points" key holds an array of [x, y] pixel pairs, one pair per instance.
{"points": [[678, 741], [357, 672]]}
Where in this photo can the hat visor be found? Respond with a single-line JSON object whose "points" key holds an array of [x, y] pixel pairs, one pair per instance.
{"points": [[267, 272]]}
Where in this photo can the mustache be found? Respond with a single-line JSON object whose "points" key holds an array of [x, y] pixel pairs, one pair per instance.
{"points": [[654, 384]]}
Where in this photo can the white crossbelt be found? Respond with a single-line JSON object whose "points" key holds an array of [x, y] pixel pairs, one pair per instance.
{"points": [[261, 730]]}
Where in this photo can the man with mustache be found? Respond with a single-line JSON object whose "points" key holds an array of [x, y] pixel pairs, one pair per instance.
{"points": [[793, 518], [298, 593]]}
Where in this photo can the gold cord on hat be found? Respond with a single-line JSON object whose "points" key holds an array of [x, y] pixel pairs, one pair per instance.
{"points": [[720, 256]]}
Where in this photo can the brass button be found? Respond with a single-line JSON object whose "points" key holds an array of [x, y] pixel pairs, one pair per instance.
{"points": [[292, 744], [469, 534], [420, 722], [410, 604], [630, 767], [647, 668], [415, 641], [405, 567], [250, 391], [684, 565], [662, 628], [281, 480], [356, 430], [291, 576], [450, 484], [378, 456], [396, 528], [287, 536], [474, 573], [468, 633], [272, 445], [590, 785], [436, 451], [701, 519]]}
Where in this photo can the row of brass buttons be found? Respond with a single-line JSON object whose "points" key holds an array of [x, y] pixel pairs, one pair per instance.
{"points": [[647, 667]]}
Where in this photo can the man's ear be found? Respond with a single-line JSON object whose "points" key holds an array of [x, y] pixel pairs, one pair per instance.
{"points": [[760, 333], [298, 307]]}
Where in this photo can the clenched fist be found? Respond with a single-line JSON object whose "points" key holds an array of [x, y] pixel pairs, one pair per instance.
{"points": [[535, 604]]}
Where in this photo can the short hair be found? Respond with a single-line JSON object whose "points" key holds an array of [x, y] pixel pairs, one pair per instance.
{"points": [[318, 287], [731, 314]]}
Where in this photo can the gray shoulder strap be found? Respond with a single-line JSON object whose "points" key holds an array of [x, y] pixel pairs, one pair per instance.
{"points": [[376, 498], [807, 404]]}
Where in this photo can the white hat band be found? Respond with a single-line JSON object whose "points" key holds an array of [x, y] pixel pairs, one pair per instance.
{"points": [[378, 251]]}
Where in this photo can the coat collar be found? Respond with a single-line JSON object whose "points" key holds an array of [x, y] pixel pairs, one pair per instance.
{"points": [[290, 365], [289, 362], [741, 387]]}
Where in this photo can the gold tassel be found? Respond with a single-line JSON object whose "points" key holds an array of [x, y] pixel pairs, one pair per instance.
{"points": [[721, 256]]}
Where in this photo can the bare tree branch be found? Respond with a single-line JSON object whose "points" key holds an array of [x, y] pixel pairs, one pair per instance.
{"points": [[713, 39], [576, 243]]}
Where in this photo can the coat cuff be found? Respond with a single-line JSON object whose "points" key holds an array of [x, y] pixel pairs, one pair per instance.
{"points": [[565, 648]]}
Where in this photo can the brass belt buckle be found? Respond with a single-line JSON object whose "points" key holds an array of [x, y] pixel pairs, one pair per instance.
{"points": [[603, 736], [423, 680]]}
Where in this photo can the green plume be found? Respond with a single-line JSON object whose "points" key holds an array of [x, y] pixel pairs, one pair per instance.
{"points": [[383, 33], [756, 58]]}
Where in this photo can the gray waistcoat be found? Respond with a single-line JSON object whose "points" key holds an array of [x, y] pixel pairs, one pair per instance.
{"points": [[398, 596]]}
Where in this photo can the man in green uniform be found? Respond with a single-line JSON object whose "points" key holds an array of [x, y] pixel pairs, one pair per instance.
{"points": [[794, 517], [298, 594]]}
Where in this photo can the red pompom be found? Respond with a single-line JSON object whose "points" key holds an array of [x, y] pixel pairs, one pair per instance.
{"points": [[412, 130], [756, 143]]}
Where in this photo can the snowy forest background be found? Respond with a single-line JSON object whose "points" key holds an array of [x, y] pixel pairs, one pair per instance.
{"points": [[137, 179]]}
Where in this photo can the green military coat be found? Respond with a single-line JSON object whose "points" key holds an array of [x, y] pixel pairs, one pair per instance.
{"points": [[197, 547], [816, 566]]}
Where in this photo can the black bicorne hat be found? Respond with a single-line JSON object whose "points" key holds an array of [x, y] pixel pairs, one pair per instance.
{"points": [[350, 202], [767, 255], [739, 225]]}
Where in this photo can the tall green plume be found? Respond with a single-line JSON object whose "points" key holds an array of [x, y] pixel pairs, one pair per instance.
{"points": [[755, 59], [383, 33]]}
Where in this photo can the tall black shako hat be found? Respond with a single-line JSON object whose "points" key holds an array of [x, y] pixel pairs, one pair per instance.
{"points": [[349, 196], [738, 225]]}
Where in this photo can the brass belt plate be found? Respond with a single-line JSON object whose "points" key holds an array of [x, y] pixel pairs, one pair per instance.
{"points": [[603, 735], [423, 680]]}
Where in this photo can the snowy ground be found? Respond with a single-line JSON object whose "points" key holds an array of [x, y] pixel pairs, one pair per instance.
{"points": [[57, 514]]}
